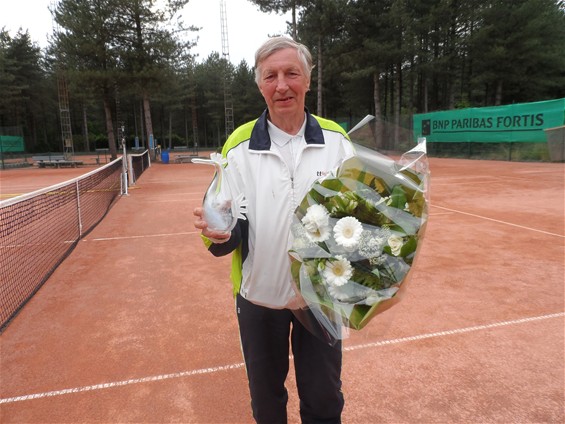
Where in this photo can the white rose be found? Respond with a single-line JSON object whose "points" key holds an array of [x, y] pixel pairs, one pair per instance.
{"points": [[395, 243]]}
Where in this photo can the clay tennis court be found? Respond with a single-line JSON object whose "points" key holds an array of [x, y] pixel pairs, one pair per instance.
{"points": [[137, 324]]}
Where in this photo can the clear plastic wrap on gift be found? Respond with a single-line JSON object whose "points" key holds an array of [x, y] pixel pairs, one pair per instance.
{"points": [[222, 207], [355, 237]]}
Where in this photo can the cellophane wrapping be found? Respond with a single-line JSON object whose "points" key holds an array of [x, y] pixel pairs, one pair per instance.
{"points": [[355, 237]]}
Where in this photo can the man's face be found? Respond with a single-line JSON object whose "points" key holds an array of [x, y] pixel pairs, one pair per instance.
{"points": [[283, 84]]}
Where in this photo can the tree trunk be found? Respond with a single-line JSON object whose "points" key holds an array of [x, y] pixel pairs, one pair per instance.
{"points": [[186, 126], [498, 97], [85, 129], [141, 129], [450, 94], [379, 127], [170, 130], [412, 84], [425, 93], [320, 80], [194, 123], [148, 122], [294, 32], [33, 125], [397, 104], [110, 128]]}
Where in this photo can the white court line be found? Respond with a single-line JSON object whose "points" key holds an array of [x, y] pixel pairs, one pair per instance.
{"points": [[143, 236], [177, 200], [439, 181], [464, 181], [179, 194], [440, 213], [500, 222], [185, 193], [241, 364], [452, 332], [122, 383], [170, 181]]}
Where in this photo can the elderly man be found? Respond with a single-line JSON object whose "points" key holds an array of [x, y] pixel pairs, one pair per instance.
{"points": [[273, 161]]}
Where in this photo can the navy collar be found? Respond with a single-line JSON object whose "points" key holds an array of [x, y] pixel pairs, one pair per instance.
{"points": [[260, 139]]}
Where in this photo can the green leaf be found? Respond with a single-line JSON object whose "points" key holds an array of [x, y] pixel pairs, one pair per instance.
{"points": [[398, 197], [409, 247]]}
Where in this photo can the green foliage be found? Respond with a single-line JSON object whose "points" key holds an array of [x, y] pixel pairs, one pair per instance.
{"points": [[379, 57], [249, 103], [22, 86], [516, 51]]}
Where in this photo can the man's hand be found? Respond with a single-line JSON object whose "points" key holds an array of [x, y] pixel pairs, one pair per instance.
{"points": [[201, 224]]}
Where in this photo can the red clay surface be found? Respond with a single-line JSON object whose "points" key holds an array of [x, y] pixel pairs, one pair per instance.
{"points": [[138, 326]]}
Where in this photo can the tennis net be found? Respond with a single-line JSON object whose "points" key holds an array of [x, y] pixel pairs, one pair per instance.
{"points": [[137, 163], [39, 230]]}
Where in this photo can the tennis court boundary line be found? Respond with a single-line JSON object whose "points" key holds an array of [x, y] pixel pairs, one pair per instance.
{"points": [[184, 233], [454, 332], [240, 365], [499, 221]]}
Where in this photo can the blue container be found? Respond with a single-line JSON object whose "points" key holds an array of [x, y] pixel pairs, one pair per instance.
{"points": [[165, 156]]}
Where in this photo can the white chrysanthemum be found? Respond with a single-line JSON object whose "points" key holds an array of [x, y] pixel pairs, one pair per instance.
{"points": [[316, 216], [319, 235], [316, 223], [395, 243], [338, 271], [347, 232]]}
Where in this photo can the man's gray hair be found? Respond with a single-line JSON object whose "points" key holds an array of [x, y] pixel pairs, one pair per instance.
{"points": [[275, 44]]}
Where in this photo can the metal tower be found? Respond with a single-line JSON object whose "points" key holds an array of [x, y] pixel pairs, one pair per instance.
{"points": [[65, 116], [120, 124], [64, 110], [228, 104]]}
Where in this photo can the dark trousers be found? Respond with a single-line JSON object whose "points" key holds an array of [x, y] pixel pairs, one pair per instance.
{"points": [[265, 335]]}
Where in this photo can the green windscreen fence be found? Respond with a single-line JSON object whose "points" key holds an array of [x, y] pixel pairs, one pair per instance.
{"points": [[521, 122], [11, 144]]}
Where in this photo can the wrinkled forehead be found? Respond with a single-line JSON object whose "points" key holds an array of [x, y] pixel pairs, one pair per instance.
{"points": [[286, 59]]}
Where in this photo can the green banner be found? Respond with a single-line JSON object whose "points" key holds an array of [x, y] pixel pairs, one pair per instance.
{"points": [[11, 143], [522, 122]]}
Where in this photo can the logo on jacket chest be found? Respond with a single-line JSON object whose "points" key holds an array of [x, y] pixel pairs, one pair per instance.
{"points": [[322, 173]]}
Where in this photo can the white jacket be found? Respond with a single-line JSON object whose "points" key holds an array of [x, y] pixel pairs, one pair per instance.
{"points": [[261, 264]]}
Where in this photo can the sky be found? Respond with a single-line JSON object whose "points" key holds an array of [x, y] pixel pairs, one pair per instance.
{"points": [[247, 26]]}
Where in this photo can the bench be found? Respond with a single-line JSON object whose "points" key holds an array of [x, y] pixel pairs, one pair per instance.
{"points": [[61, 164], [67, 163], [182, 158], [56, 161], [43, 160]]}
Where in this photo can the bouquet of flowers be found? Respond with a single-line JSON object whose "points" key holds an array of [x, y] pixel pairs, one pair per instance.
{"points": [[355, 236]]}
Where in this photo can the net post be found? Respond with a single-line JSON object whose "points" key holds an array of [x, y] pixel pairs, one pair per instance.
{"points": [[79, 213], [124, 166], [130, 171]]}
